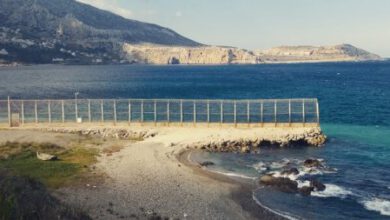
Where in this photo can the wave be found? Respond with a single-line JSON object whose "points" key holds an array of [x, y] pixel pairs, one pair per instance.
{"points": [[230, 174], [332, 190], [280, 213], [260, 167], [379, 205]]}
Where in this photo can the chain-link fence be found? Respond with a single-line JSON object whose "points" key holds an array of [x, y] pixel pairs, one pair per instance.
{"points": [[16, 112]]}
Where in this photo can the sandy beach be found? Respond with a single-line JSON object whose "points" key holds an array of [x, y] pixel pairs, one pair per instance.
{"points": [[152, 178]]}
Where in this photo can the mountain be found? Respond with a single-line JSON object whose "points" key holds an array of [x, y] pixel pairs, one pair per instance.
{"points": [[67, 31], [38, 31]]}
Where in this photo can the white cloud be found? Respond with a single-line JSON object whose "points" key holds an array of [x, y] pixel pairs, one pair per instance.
{"points": [[109, 5], [178, 14]]}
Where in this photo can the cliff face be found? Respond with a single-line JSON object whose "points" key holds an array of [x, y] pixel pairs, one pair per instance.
{"points": [[343, 52], [152, 54]]}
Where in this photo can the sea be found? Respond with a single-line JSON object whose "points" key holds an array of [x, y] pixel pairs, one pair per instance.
{"points": [[355, 115]]}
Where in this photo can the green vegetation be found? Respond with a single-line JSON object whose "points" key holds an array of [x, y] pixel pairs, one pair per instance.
{"points": [[20, 159], [24, 198]]}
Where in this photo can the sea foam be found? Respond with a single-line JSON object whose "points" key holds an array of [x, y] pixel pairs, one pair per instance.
{"points": [[379, 205], [332, 190]]}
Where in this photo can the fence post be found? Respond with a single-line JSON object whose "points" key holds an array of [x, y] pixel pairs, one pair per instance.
{"points": [[262, 113], [76, 110], [49, 110], [235, 113], [289, 112], [194, 113], [303, 113], [63, 111], [129, 112], [9, 112], [248, 113], [114, 112], [221, 112], [155, 112], [22, 112], [89, 111], [181, 112], [168, 115], [276, 112], [36, 111], [102, 110], [208, 112], [142, 111], [318, 112]]}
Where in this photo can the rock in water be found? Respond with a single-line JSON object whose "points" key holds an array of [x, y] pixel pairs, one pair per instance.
{"points": [[207, 163], [310, 163], [290, 171], [306, 190], [317, 185], [245, 150], [46, 157], [266, 179], [280, 183]]}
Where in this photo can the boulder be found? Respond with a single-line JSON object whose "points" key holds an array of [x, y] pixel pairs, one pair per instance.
{"points": [[306, 190], [207, 163], [317, 185], [280, 183], [245, 150], [290, 171], [310, 163], [266, 179], [46, 157]]}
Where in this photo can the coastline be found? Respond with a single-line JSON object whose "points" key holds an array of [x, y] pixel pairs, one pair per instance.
{"points": [[152, 177], [222, 64], [242, 194]]}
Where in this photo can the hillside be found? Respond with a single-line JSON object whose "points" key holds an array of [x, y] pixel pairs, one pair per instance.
{"points": [[70, 32], [40, 31]]}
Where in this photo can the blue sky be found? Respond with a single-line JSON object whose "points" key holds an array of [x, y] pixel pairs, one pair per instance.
{"points": [[260, 24]]}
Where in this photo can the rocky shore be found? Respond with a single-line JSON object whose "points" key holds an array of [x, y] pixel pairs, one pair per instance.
{"points": [[124, 134], [313, 137], [214, 143], [160, 154], [218, 143]]}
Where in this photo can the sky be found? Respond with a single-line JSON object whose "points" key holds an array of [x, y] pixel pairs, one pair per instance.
{"points": [[262, 24]]}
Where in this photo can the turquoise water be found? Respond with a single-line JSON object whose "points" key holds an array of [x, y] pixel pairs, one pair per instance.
{"points": [[355, 114]]}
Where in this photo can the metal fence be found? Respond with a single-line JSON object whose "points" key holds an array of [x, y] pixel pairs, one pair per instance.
{"points": [[15, 112]]}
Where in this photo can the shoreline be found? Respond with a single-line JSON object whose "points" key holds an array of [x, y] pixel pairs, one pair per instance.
{"points": [[167, 65], [242, 194], [153, 176]]}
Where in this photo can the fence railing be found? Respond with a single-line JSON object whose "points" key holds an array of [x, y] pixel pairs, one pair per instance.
{"points": [[264, 111]]}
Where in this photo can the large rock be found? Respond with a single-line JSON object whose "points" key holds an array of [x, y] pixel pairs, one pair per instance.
{"points": [[206, 163], [46, 157], [306, 190], [280, 183], [317, 185], [291, 171], [312, 163]]}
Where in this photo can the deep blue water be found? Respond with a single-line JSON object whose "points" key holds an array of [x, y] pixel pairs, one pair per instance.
{"points": [[355, 114]]}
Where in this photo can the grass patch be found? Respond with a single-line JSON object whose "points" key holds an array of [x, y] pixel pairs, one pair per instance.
{"points": [[25, 198], [20, 159]]}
